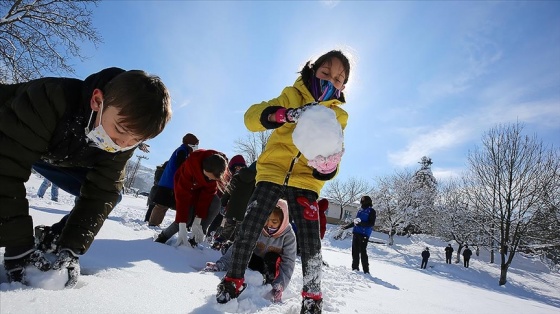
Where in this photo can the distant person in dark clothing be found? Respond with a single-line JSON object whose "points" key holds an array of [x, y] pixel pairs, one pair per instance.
{"points": [[425, 257], [466, 256], [448, 254], [150, 202], [363, 226], [235, 198]]}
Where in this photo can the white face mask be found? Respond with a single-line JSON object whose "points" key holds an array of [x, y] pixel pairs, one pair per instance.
{"points": [[193, 146], [101, 139]]}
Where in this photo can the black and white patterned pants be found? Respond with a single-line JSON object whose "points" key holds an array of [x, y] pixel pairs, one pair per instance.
{"points": [[260, 206]]}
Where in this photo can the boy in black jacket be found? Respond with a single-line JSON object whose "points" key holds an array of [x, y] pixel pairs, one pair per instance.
{"points": [[79, 135]]}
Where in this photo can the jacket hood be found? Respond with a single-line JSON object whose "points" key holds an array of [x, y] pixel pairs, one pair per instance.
{"points": [[100, 79], [285, 222]]}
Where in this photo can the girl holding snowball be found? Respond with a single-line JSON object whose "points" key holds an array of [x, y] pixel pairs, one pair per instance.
{"points": [[302, 153]]}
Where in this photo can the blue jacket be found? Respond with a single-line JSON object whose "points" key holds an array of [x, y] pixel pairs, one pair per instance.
{"points": [[367, 217], [176, 159]]}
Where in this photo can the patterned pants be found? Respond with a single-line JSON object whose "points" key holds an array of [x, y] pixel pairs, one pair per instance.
{"points": [[260, 206]]}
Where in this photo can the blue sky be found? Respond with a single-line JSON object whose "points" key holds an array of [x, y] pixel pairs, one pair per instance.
{"points": [[428, 78]]}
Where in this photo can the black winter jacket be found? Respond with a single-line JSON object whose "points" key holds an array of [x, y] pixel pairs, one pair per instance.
{"points": [[45, 119], [238, 193]]}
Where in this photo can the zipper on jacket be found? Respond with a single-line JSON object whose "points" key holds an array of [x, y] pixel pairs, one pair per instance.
{"points": [[294, 160]]}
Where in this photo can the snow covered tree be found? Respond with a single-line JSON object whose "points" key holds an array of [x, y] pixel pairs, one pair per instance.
{"points": [[393, 199], [508, 177], [39, 36], [346, 192], [455, 221], [423, 195]]}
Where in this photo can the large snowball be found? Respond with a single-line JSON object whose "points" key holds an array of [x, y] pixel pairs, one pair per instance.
{"points": [[318, 132]]}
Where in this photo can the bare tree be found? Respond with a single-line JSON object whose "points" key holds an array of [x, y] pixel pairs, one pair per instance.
{"points": [[252, 145], [38, 36], [508, 179], [346, 192]]}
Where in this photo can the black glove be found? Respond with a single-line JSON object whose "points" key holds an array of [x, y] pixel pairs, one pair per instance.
{"points": [[15, 266], [66, 258]]}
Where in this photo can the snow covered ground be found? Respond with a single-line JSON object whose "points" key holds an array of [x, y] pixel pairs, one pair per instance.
{"points": [[126, 272]]}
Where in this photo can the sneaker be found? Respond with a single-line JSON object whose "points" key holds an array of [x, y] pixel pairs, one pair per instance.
{"points": [[311, 306], [229, 288], [46, 239]]}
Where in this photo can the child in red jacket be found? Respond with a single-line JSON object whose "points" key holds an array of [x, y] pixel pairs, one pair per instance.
{"points": [[196, 183]]}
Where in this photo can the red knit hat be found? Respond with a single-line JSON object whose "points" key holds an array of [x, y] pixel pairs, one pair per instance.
{"points": [[323, 204], [235, 161]]}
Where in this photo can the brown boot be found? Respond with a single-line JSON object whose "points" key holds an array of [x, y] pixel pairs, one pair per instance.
{"points": [[158, 213]]}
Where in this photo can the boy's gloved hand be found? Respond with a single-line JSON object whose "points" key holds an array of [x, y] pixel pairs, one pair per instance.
{"points": [[182, 238], [66, 258], [198, 233], [326, 165], [276, 292], [291, 115], [357, 221]]}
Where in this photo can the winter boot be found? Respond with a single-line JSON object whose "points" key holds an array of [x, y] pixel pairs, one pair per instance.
{"points": [[46, 239], [230, 288], [225, 247], [217, 245], [311, 304], [15, 265], [161, 238]]}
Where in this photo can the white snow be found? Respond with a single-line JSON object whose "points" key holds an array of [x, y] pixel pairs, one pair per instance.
{"points": [[126, 272], [318, 132]]}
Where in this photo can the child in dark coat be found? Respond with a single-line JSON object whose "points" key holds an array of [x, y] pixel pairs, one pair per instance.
{"points": [[79, 135]]}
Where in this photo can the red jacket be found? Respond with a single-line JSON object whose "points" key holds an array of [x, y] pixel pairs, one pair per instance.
{"points": [[192, 188], [323, 206]]}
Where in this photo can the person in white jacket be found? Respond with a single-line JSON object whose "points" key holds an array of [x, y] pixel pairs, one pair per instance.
{"points": [[274, 255]]}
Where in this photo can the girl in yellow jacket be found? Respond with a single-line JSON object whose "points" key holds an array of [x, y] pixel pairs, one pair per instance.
{"points": [[283, 172]]}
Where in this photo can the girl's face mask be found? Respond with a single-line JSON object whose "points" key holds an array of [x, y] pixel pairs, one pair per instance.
{"points": [[270, 230], [328, 90], [99, 137]]}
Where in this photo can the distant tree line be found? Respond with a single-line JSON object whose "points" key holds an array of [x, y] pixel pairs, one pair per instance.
{"points": [[507, 201]]}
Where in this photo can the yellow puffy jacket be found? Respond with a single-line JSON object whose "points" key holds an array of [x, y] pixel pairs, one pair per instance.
{"points": [[275, 161]]}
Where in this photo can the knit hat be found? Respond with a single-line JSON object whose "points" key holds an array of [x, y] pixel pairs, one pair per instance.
{"points": [[235, 161], [323, 204], [190, 139]]}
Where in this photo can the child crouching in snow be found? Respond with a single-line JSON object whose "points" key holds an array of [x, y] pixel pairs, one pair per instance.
{"points": [[274, 255]]}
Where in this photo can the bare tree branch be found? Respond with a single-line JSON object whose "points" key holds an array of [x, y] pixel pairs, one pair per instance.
{"points": [[38, 36]]}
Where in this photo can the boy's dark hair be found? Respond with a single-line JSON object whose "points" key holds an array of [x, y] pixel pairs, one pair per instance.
{"points": [[142, 100], [308, 70], [366, 202], [216, 164]]}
